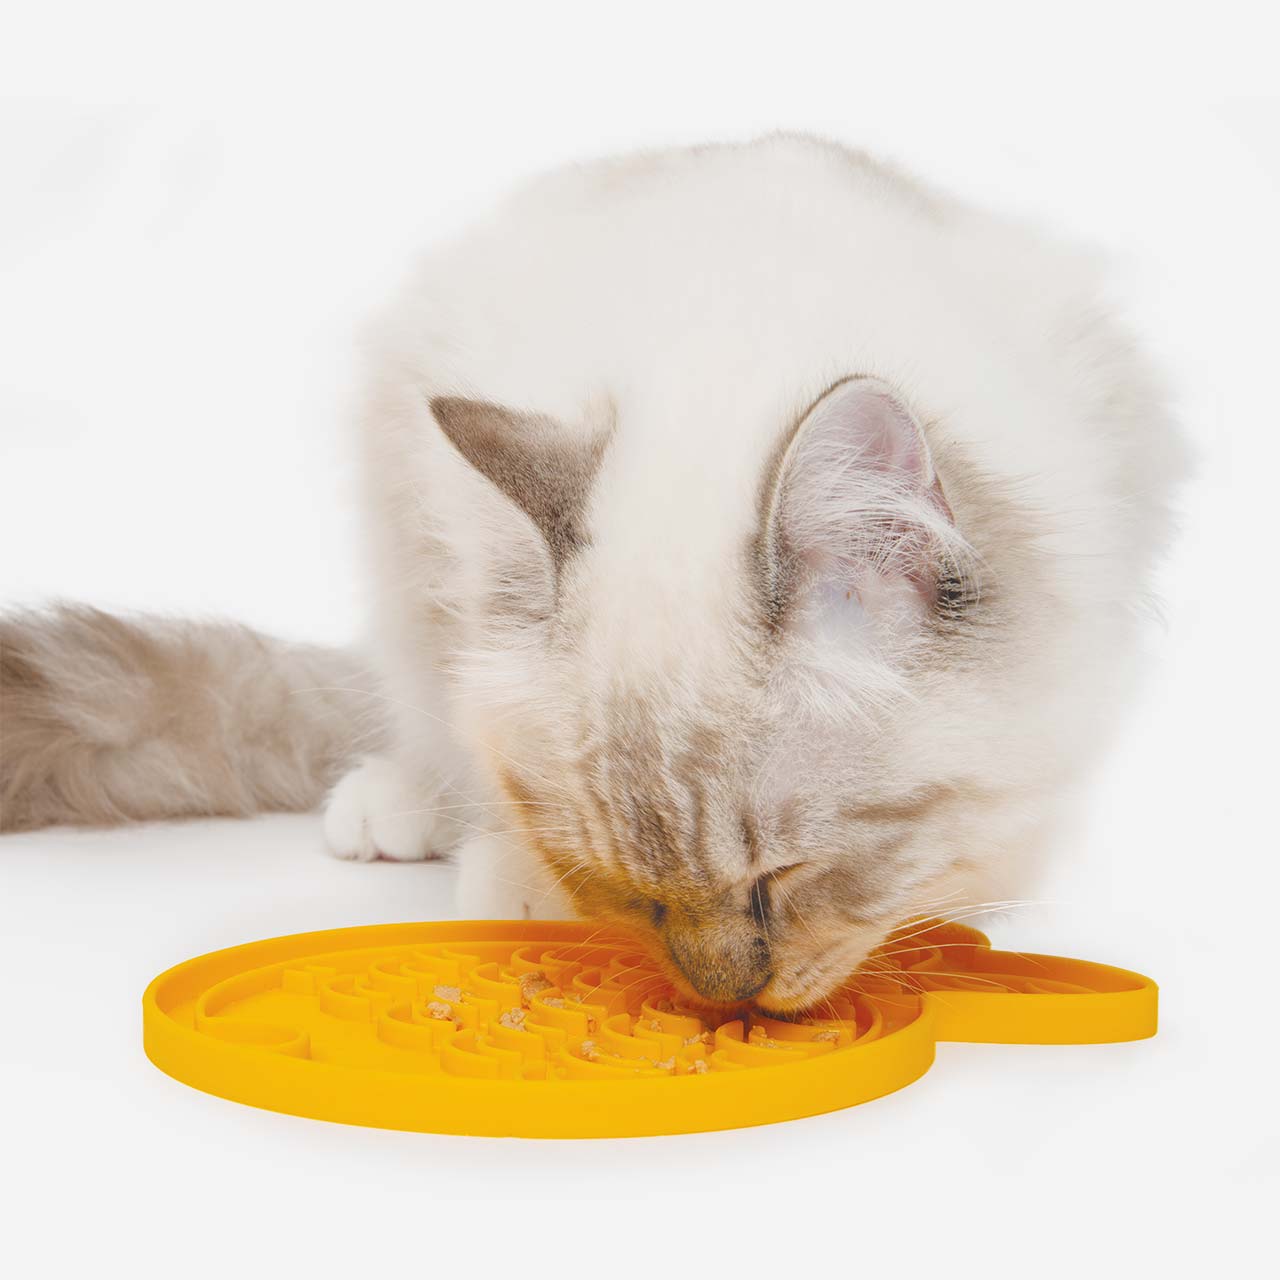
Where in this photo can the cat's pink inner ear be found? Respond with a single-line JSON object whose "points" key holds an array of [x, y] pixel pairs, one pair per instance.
{"points": [[866, 422], [858, 513]]}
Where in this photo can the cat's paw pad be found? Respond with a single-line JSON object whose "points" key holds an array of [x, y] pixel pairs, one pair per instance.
{"points": [[375, 813]]}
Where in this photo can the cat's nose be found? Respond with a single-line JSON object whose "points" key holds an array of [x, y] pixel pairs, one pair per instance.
{"points": [[722, 966]]}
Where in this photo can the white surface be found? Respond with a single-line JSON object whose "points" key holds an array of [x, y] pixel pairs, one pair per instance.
{"points": [[193, 214]]}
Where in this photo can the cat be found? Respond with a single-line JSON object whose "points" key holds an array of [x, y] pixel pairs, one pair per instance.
{"points": [[759, 541]]}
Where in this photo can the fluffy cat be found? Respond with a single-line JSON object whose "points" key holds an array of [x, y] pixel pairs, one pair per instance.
{"points": [[759, 541]]}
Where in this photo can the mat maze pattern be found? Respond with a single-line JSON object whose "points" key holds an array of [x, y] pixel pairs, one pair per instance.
{"points": [[419, 1012], [494, 1011]]}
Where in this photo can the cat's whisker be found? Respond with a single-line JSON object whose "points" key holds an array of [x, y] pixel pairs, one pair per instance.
{"points": [[522, 885], [946, 973], [430, 715], [479, 827], [559, 880], [651, 977], [493, 804], [957, 916]]}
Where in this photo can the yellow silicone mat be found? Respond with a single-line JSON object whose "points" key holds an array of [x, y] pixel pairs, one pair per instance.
{"points": [[556, 1030]]}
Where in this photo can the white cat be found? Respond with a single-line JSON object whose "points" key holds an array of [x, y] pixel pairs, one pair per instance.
{"points": [[759, 543]]}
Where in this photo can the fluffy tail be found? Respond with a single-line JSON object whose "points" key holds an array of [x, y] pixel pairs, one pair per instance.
{"points": [[106, 720]]}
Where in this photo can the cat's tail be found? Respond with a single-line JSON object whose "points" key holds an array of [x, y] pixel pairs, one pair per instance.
{"points": [[106, 719]]}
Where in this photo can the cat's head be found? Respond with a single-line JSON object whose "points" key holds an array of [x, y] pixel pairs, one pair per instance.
{"points": [[761, 763]]}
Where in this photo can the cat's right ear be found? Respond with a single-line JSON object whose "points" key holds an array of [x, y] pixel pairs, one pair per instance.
{"points": [[537, 463], [854, 521]]}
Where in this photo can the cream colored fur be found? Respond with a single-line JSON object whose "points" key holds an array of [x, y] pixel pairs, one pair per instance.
{"points": [[690, 307], [106, 719]]}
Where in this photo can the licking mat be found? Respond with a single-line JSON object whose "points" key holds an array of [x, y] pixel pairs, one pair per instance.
{"points": [[554, 1029]]}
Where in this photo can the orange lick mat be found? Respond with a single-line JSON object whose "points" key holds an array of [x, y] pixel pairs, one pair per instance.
{"points": [[544, 1029]]}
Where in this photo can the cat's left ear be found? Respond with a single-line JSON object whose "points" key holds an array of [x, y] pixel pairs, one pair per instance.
{"points": [[538, 464], [853, 510]]}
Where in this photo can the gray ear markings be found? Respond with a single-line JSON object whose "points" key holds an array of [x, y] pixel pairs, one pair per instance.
{"points": [[531, 460], [771, 558]]}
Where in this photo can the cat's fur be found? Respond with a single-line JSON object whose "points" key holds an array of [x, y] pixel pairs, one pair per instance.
{"points": [[106, 719], [759, 541]]}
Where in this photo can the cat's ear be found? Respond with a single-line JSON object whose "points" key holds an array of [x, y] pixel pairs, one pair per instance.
{"points": [[854, 517], [546, 470]]}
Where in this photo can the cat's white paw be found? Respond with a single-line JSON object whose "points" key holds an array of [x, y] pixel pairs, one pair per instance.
{"points": [[375, 812], [499, 880]]}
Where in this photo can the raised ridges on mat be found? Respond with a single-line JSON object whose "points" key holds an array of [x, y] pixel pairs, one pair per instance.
{"points": [[525, 1012], [428, 1026]]}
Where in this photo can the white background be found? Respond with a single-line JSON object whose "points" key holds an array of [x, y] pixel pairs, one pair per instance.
{"points": [[197, 207]]}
